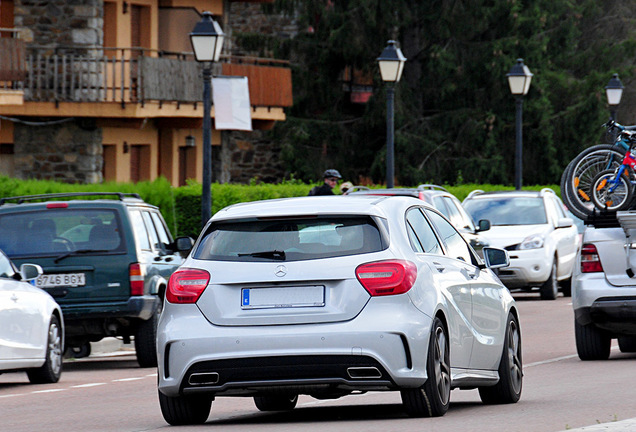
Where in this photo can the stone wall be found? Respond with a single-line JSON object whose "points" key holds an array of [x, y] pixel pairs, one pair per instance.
{"points": [[66, 152], [249, 155], [60, 22]]}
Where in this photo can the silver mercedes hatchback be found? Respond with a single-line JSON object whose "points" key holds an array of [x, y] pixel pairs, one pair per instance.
{"points": [[327, 296]]}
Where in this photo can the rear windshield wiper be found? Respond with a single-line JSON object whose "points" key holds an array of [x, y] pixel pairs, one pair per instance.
{"points": [[78, 252], [274, 254]]}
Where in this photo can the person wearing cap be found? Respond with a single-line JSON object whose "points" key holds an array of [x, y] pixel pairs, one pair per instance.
{"points": [[331, 177]]}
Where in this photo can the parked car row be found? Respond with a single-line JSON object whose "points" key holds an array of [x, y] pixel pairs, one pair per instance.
{"points": [[534, 227], [103, 262]]}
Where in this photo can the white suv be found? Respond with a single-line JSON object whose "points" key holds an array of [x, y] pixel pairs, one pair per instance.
{"points": [[537, 233]]}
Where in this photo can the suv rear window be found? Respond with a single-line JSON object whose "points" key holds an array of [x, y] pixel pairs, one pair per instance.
{"points": [[51, 232], [289, 239]]}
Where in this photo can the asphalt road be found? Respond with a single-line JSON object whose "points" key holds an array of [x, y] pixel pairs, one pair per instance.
{"points": [[560, 393]]}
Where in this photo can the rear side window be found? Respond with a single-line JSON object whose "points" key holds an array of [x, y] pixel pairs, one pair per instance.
{"points": [[290, 239], [52, 231]]}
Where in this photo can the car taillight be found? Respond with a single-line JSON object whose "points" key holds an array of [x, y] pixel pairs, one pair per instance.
{"points": [[56, 205], [590, 261], [187, 285], [387, 277], [136, 279]]}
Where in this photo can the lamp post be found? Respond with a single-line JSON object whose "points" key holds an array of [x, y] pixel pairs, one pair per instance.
{"points": [[519, 79], [614, 92], [391, 63], [207, 42]]}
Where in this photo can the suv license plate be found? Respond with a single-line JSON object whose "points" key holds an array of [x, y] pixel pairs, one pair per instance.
{"points": [[64, 279]]}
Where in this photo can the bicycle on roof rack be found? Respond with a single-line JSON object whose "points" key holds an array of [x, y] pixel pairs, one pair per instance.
{"points": [[579, 175], [613, 189]]}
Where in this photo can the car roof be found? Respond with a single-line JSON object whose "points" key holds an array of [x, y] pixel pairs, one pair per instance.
{"points": [[354, 204]]}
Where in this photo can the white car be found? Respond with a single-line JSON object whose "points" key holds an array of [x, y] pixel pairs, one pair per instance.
{"points": [[31, 325], [534, 228], [331, 295]]}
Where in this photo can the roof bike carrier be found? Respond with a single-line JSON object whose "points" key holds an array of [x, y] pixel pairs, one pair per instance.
{"points": [[21, 199]]}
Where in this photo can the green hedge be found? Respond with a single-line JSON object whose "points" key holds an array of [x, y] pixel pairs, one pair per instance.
{"points": [[181, 207]]}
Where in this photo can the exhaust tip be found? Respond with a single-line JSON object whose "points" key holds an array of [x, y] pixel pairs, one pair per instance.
{"points": [[365, 372], [205, 378]]}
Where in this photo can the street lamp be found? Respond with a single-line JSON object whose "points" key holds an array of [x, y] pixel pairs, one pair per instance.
{"points": [[207, 42], [519, 79], [614, 92], [391, 63]]}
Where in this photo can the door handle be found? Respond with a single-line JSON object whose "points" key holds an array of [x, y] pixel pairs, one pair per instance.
{"points": [[440, 268], [470, 275]]}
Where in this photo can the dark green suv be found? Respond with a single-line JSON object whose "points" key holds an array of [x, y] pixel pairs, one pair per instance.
{"points": [[106, 261]]}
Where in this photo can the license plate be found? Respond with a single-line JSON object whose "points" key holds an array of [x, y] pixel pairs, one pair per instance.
{"points": [[283, 297], [63, 279]]}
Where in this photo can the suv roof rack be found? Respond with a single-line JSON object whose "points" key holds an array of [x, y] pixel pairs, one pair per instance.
{"points": [[473, 193], [546, 190], [431, 187], [20, 199]]}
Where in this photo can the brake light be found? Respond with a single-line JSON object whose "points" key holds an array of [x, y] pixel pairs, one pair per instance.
{"points": [[590, 261], [56, 205], [136, 279], [387, 277], [187, 285]]}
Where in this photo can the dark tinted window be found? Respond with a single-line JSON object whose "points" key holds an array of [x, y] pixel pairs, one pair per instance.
{"points": [[289, 239], [455, 244], [425, 239], [54, 231]]}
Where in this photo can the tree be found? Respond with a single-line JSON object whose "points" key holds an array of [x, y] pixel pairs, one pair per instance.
{"points": [[454, 111]]}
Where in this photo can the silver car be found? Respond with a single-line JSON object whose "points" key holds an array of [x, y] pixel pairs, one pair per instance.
{"points": [[31, 325], [325, 296]]}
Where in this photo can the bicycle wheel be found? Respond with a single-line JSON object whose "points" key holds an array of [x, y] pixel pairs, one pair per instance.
{"points": [[576, 182], [610, 193]]}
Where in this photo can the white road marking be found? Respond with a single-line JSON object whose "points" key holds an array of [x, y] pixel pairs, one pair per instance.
{"points": [[47, 391], [88, 385]]}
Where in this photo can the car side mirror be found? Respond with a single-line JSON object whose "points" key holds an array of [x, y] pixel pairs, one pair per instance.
{"points": [[483, 225], [565, 222], [184, 244], [30, 271], [496, 258]]}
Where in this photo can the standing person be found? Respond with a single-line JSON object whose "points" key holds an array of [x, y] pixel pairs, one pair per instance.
{"points": [[331, 177]]}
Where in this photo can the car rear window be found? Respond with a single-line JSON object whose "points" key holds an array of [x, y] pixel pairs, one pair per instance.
{"points": [[508, 211], [51, 232], [289, 239]]}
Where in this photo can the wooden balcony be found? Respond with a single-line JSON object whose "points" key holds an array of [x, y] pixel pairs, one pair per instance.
{"points": [[132, 76]]}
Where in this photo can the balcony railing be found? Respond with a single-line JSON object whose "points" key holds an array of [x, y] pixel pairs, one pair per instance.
{"points": [[134, 75]]}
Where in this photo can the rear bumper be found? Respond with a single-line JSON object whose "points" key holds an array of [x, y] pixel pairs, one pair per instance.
{"points": [[597, 302], [142, 307], [375, 351]]}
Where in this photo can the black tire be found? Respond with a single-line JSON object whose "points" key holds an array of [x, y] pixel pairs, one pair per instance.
{"points": [[592, 343], [51, 370], [576, 181], [568, 200], [566, 287], [146, 342], [508, 389], [550, 288], [81, 351], [276, 403], [182, 410], [618, 199], [433, 398], [627, 344]]}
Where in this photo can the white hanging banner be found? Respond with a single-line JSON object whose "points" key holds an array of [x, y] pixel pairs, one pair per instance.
{"points": [[231, 97]]}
